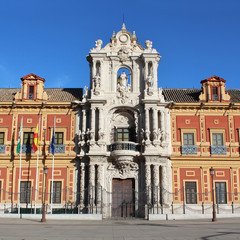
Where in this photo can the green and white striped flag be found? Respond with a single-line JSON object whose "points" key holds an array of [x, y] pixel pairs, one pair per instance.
{"points": [[19, 136]]}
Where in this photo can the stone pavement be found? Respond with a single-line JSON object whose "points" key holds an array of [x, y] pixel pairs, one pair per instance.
{"points": [[24, 229]]}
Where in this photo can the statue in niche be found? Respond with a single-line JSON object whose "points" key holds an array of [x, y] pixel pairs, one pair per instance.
{"points": [[101, 134], [149, 81], [123, 79], [164, 136], [97, 84], [122, 87], [155, 134]]}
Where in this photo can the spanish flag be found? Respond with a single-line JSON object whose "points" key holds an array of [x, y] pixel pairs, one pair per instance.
{"points": [[35, 140]]}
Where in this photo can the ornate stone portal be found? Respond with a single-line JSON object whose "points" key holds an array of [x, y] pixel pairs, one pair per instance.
{"points": [[123, 130]]}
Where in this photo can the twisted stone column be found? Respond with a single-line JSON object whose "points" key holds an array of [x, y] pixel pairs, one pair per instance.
{"points": [[164, 184], [148, 183], [156, 182], [82, 185], [99, 182], [91, 183]]}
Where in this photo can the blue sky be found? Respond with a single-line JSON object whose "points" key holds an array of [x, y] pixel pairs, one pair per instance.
{"points": [[51, 38]]}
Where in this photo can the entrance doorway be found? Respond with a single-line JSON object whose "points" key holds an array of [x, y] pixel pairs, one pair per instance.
{"points": [[123, 200]]}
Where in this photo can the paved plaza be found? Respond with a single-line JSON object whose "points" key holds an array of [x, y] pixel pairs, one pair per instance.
{"points": [[24, 229]]}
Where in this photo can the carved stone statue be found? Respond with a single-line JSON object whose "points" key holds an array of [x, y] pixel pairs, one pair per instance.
{"points": [[149, 81], [126, 167], [159, 134], [161, 97], [122, 87], [122, 80], [155, 134], [88, 134], [85, 95], [147, 135], [98, 44], [97, 84], [148, 44], [101, 134]]}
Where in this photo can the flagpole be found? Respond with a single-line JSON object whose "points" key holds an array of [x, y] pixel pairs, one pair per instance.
{"points": [[53, 164], [20, 169], [36, 190]]}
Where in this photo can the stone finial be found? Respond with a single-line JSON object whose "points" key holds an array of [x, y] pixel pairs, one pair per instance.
{"points": [[134, 37], [123, 27]]}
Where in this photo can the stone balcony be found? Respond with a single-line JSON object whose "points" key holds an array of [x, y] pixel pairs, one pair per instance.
{"points": [[124, 150]]}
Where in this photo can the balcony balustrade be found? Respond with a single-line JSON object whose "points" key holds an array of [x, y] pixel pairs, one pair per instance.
{"points": [[218, 150], [2, 148], [189, 149]]}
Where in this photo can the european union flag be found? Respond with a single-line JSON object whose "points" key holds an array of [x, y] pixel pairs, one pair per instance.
{"points": [[52, 145]]}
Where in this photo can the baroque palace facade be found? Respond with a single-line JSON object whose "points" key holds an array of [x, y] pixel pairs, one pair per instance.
{"points": [[124, 147]]}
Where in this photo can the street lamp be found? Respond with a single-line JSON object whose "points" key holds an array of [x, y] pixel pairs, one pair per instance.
{"points": [[214, 219], [44, 194]]}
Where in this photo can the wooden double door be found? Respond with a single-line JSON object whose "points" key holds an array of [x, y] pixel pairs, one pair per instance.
{"points": [[123, 198]]}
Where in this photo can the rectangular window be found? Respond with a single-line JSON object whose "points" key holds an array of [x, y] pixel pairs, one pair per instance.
{"points": [[59, 138], [191, 192], [215, 94], [28, 138], [188, 139], [221, 193], [57, 188], [217, 139], [122, 134], [25, 192], [31, 92], [1, 138]]}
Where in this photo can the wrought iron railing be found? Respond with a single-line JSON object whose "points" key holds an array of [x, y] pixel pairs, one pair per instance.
{"points": [[27, 148], [129, 146], [60, 148], [2, 148], [218, 150], [189, 149]]}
